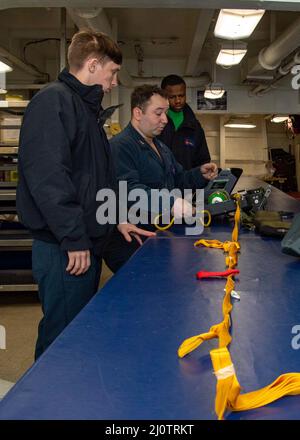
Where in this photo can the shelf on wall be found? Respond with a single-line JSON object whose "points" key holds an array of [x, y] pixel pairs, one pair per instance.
{"points": [[17, 280], [10, 127], [16, 243], [10, 167], [8, 209], [7, 149], [13, 104], [18, 288], [13, 143], [26, 86], [8, 184], [7, 194]]}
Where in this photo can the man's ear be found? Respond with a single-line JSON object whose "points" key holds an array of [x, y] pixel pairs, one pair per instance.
{"points": [[137, 113], [92, 64]]}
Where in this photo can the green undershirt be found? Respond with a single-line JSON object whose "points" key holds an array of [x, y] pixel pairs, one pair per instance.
{"points": [[177, 118]]}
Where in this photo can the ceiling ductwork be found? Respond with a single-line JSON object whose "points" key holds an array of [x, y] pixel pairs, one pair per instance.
{"points": [[281, 72], [271, 57], [285, 69], [270, 65], [87, 13], [93, 18]]}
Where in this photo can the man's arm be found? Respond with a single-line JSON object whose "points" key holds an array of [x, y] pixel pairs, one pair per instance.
{"points": [[196, 177]]}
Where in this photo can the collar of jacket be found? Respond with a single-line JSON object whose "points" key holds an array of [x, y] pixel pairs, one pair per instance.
{"points": [[92, 95], [189, 118], [137, 136], [144, 144]]}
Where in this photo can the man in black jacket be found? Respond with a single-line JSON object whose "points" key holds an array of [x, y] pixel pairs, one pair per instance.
{"points": [[64, 159], [183, 133]]}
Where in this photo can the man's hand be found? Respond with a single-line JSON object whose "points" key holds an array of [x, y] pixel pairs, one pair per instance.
{"points": [[182, 208], [209, 170], [79, 262], [128, 230]]}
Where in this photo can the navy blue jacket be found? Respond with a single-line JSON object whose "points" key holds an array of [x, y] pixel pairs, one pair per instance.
{"points": [[137, 163], [188, 142], [64, 159]]}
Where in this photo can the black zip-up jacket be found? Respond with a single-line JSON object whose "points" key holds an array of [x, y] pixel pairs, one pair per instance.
{"points": [[188, 142], [64, 159]]}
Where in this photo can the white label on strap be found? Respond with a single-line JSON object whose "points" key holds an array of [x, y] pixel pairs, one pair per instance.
{"points": [[223, 373]]}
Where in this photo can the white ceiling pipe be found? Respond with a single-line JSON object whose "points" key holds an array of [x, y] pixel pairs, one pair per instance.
{"points": [[261, 89], [282, 71], [96, 20], [270, 57], [285, 70], [88, 13]]}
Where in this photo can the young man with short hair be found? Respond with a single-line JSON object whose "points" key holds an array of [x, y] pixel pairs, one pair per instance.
{"points": [[64, 159]]}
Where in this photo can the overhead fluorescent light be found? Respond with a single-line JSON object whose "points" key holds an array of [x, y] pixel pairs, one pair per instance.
{"points": [[214, 91], [239, 123], [5, 65], [231, 54], [234, 24], [279, 118]]}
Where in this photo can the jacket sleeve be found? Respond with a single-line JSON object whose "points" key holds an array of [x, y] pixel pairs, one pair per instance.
{"points": [[188, 179], [126, 161], [48, 129], [203, 155]]}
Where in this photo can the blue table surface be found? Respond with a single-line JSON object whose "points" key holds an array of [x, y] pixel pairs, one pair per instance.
{"points": [[118, 358]]}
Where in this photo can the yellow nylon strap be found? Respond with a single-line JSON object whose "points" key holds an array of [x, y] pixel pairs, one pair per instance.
{"points": [[237, 217], [228, 390], [216, 331], [162, 228], [210, 243], [166, 227], [230, 247]]}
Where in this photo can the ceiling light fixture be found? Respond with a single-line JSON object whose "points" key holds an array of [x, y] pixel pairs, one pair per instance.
{"points": [[234, 24], [279, 118], [214, 91], [234, 122], [5, 65], [231, 54]]}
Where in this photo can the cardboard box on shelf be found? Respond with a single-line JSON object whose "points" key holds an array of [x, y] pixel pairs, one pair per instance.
{"points": [[10, 135]]}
